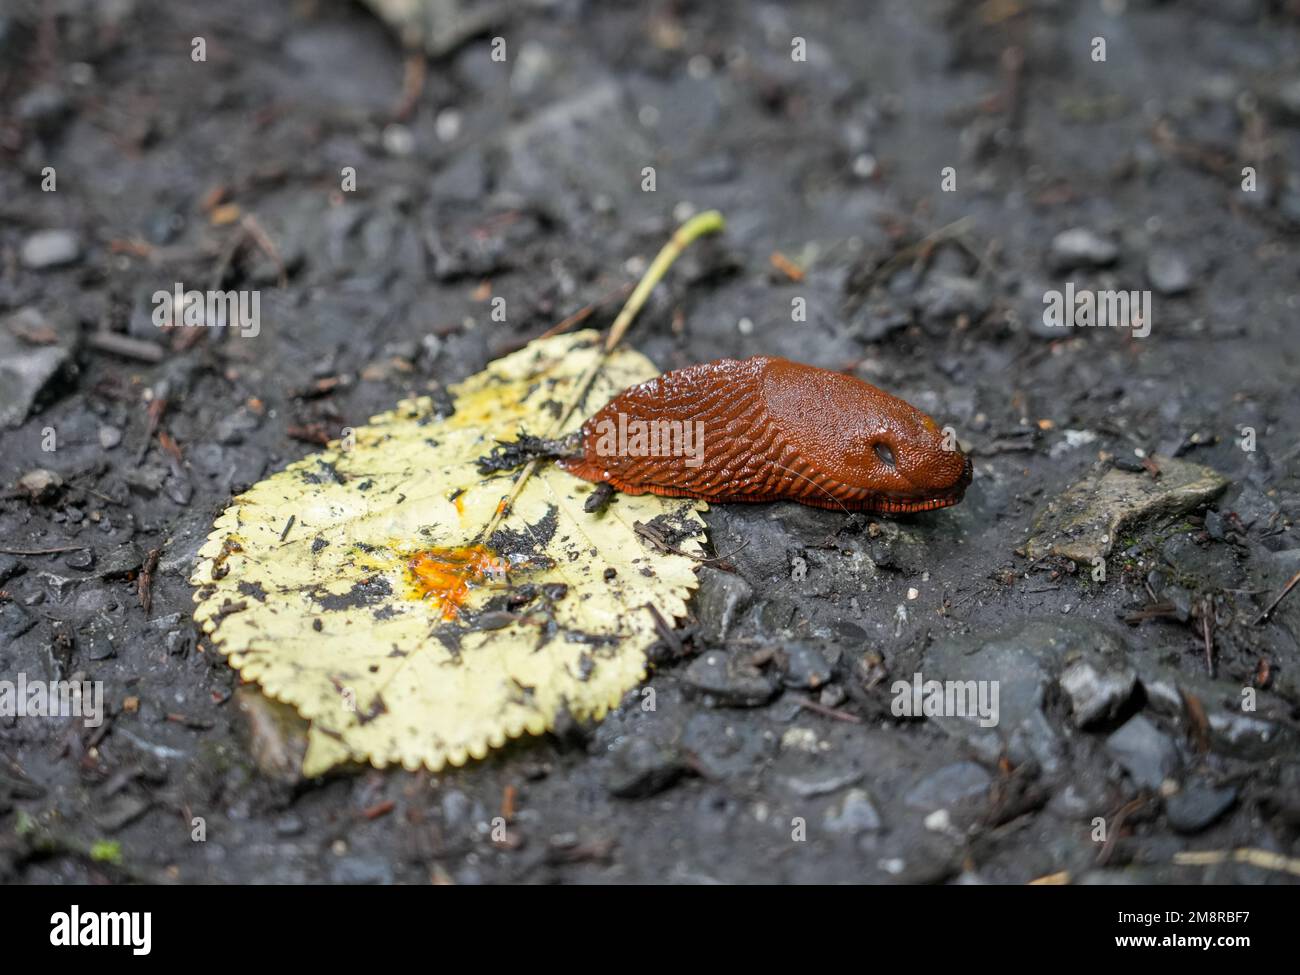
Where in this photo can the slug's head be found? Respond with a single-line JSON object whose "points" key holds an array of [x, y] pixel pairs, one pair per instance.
{"points": [[870, 450], [909, 462]]}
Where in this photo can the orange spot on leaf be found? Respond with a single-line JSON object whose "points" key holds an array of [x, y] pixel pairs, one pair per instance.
{"points": [[448, 575]]}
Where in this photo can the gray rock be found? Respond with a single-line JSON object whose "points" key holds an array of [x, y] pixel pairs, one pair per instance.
{"points": [[10, 567], [1097, 690], [94, 600], [1245, 735], [289, 825], [161, 624], [1205, 568], [109, 436], [147, 480], [949, 786], [1272, 572], [27, 370], [456, 808], [726, 681], [805, 667], [14, 622], [178, 642], [120, 561], [878, 319], [1168, 273], [853, 814], [832, 696], [1081, 248], [1252, 506], [895, 546], [84, 560], [45, 106], [361, 870], [1037, 739], [720, 600], [50, 248], [276, 736], [233, 427], [1021, 660], [178, 489], [40, 484], [464, 180], [120, 811], [1232, 731], [946, 297], [1197, 806], [641, 767], [1083, 522], [440, 26], [534, 66], [59, 585], [724, 748], [1145, 752], [1079, 800], [98, 640]]}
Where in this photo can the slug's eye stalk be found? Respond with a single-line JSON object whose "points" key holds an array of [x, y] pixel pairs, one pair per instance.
{"points": [[885, 454]]}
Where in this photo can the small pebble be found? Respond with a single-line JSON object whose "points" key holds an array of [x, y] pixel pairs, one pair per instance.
{"points": [[50, 248], [1081, 247], [1168, 273]]}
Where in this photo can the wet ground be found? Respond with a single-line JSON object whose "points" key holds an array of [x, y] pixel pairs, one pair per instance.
{"points": [[1144, 715]]}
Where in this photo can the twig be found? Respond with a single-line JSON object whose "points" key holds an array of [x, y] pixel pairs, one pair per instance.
{"points": [[787, 267], [41, 551], [822, 709], [153, 415], [125, 346], [1207, 633], [918, 249], [582, 314], [705, 223], [665, 631], [1286, 590], [413, 73], [1264, 859], [267, 245], [656, 538], [577, 318], [228, 252], [144, 585], [1128, 809]]}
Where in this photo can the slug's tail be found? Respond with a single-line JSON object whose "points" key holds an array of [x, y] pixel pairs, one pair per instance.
{"points": [[509, 454]]}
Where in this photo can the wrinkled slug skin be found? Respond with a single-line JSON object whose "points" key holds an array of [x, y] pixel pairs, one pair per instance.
{"points": [[775, 430]]}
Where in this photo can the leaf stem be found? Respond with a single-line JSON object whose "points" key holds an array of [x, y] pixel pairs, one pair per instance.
{"points": [[708, 222]]}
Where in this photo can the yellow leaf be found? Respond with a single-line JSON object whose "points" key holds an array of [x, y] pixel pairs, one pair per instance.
{"points": [[327, 583]]}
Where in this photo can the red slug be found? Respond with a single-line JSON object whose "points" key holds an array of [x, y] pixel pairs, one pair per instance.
{"points": [[767, 429]]}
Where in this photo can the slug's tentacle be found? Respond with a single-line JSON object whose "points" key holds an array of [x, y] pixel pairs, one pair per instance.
{"points": [[767, 429]]}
